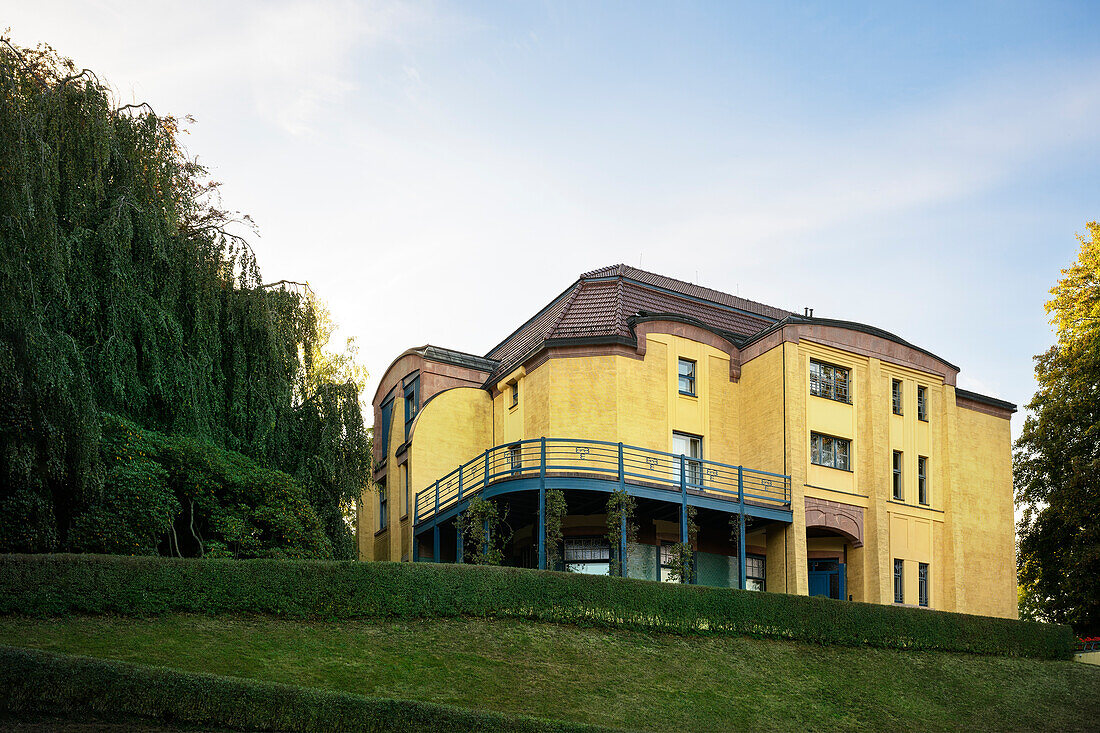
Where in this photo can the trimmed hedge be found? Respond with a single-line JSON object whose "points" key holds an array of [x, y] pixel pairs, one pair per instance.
{"points": [[33, 681], [60, 584]]}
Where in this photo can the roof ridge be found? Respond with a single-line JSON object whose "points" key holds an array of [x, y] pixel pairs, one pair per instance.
{"points": [[618, 302]]}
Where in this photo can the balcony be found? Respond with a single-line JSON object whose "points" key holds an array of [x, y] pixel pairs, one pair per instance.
{"points": [[593, 465]]}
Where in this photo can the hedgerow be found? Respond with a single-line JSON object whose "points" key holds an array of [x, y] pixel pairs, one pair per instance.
{"points": [[94, 584], [33, 681]]}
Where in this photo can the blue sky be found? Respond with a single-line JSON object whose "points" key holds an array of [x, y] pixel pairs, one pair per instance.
{"points": [[439, 171]]}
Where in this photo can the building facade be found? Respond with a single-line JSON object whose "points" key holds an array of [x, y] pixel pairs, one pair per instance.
{"points": [[794, 454]]}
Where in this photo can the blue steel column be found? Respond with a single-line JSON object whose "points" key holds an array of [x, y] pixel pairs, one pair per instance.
{"points": [[458, 542], [488, 540], [683, 500], [416, 519], [622, 516], [741, 526], [542, 504], [435, 526]]}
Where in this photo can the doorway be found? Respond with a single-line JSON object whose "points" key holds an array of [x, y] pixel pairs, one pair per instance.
{"points": [[828, 578]]}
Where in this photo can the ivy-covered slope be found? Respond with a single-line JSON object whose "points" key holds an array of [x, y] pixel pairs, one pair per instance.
{"points": [[125, 292]]}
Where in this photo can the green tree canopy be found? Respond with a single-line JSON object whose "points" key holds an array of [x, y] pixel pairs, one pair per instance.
{"points": [[129, 291], [1057, 461]]}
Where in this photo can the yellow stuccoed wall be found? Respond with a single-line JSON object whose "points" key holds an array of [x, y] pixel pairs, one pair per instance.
{"points": [[763, 419]]}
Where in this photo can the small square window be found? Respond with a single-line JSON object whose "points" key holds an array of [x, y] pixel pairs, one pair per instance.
{"points": [[897, 396], [899, 488], [687, 377], [922, 403], [899, 581], [514, 390]]}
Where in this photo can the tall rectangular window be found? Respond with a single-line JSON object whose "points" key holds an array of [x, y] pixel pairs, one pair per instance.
{"points": [[405, 488], [922, 584], [687, 377], [383, 518], [691, 448], [515, 394], [922, 403], [899, 488], [382, 430], [412, 403], [896, 388], [829, 381], [922, 479], [831, 452], [755, 572], [899, 581], [515, 456]]}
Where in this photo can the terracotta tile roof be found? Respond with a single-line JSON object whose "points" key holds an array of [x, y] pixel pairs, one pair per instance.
{"points": [[600, 303]]}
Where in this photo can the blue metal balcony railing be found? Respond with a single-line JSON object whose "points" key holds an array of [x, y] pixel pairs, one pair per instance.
{"points": [[627, 464]]}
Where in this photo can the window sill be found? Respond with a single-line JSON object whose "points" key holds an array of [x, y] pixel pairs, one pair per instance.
{"points": [[923, 419], [381, 531], [831, 399], [822, 465], [404, 517], [688, 394]]}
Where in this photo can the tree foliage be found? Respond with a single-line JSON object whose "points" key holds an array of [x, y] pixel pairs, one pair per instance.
{"points": [[483, 526], [556, 510], [1057, 459], [129, 291]]}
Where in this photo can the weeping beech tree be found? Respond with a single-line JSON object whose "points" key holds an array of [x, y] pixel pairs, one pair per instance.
{"points": [[125, 292]]}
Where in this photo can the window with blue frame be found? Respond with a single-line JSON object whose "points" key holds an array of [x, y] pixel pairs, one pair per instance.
{"points": [[382, 431], [515, 394], [922, 584], [899, 581], [383, 514], [412, 403], [755, 572], [687, 377]]}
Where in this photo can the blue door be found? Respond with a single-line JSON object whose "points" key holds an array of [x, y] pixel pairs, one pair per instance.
{"points": [[828, 578]]}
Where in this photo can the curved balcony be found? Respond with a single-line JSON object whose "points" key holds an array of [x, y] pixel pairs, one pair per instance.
{"points": [[593, 465]]}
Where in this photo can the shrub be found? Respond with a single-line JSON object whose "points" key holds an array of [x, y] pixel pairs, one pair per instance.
{"points": [[34, 681], [59, 584]]}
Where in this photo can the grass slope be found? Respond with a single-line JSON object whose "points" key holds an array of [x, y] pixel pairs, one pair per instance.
{"points": [[607, 677]]}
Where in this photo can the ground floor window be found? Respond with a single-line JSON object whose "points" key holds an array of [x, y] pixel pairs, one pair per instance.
{"points": [[666, 562], [589, 555], [755, 571], [899, 581], [922, 578]]}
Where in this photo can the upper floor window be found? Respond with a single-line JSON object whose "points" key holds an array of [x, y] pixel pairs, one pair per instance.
{"points": [[515, 456], [687, 377], [922, 479], [899, 581], [897, 396], [515, 394], [405, 488], [899, 489], [922, 583], [825, 450], [829, 381], [412, 403], [922, 403]]}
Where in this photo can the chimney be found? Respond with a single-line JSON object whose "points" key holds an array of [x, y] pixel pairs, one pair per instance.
{"points": [[808, 312]]}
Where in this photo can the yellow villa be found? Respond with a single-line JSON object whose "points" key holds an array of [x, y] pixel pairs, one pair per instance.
{"points": [[819, 456]]}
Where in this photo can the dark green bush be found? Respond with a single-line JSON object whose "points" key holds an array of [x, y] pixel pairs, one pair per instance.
{"points": [[60, 584], [33, 681]]}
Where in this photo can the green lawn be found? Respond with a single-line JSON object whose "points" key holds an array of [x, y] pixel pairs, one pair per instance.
{"points": [[616, 678]]}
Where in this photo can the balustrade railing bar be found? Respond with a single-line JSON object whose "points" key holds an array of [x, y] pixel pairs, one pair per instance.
{"points": [[629, 465]]}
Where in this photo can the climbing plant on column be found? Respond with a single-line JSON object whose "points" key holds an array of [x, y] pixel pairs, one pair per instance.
{"points": [[620, 510], [556, 510], [682, 554], [484, 530]]}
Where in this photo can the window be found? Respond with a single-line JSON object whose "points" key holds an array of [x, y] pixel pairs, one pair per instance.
{"points": [[829, 381], [405, 488], [515, 394], [899, 581], [922, 479], [897, 396], [899, 489], [382, 431], [687, 377], [515, 456], [689, 446], [755, 567], [830, 452], [666, 562], [589, 555], [383, 518], [412, 403], [922, 403], [922, 583]]}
